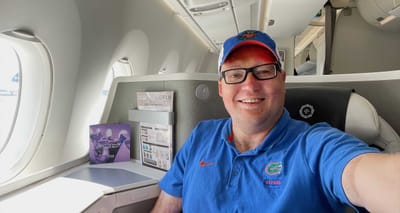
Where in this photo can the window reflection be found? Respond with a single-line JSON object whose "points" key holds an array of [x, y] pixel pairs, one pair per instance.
{"points": [[9, 90]]}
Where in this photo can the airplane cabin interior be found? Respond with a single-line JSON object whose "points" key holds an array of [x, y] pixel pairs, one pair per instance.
{"points": [[72, 64]]}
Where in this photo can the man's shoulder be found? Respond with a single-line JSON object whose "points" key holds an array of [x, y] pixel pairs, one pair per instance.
{"points": [[207, 129]]}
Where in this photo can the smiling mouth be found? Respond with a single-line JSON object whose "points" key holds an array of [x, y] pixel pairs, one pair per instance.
{"points": [[252, 100]]}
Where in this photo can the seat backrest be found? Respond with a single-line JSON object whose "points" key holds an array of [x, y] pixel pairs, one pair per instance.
{"points": [[318, 104], [343, 109]]}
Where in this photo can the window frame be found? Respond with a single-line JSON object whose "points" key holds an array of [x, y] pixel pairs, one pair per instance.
{"points": [[35, 95]]}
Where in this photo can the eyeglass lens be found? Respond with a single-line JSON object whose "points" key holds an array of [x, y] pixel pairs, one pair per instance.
{"points": [[260, 72]]}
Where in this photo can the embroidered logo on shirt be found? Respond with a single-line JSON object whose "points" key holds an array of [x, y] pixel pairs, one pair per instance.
{"points": [[273, 168], [275, 182], [203, 163]]}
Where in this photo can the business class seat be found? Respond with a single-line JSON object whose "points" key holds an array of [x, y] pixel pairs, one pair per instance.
{"points": [[344, 109]]}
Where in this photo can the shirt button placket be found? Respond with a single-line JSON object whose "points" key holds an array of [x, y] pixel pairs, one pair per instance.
{"points": [[235, 174]]}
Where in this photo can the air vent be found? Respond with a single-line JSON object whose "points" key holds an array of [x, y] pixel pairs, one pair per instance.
{"points": [[209, 7]]}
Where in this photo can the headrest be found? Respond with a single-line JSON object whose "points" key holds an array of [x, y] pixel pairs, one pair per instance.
{"points": [[318, 104]]}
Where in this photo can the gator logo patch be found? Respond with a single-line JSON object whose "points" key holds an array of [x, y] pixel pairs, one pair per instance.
{"points": [[273, 168]]}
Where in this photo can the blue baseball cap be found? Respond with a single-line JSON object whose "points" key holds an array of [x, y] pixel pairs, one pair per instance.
{"points": [[248, 37]]}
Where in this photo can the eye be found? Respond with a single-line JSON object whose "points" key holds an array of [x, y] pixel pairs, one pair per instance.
{"points": [[264, 72], [234, 74]]}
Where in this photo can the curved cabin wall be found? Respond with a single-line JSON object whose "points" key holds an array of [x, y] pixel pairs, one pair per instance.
{"points": [[84, 38], [152, 37], [359, 47]]}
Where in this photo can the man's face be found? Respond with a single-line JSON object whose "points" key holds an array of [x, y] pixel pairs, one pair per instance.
{"points": [[258, 102]]}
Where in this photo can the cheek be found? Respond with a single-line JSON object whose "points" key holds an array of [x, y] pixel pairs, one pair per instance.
{"points": [[278, 92], [225, 91]]}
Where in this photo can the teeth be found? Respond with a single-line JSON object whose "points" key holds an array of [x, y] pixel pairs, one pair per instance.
{"points": [[250, 100]]}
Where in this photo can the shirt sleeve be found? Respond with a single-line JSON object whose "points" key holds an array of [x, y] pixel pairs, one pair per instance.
{"points": [[172, 182], [328, 151]]}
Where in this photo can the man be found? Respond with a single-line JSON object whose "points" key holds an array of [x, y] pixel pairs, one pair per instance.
{"points": [[261, 160]]}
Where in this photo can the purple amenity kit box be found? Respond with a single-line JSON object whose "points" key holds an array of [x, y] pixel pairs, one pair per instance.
{"points": [[109, 143]]}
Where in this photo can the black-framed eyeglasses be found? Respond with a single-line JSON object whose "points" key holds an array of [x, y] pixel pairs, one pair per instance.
{"points": [[260, 72]]}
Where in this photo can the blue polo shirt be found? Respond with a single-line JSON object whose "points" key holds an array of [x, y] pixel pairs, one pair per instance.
{"points": [[297, 168]]}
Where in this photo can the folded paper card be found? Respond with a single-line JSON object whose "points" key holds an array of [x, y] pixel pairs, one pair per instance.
{"points": [[109, 143]]}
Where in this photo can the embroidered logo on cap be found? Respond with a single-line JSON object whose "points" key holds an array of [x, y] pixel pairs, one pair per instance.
{"points": [[247, 35], [273, 168]]}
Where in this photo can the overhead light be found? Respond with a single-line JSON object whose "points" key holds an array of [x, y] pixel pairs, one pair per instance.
{"points": [[209, 7], [394, 13]]}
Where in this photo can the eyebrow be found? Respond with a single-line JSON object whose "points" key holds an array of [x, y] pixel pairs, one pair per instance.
{"points": [[239, 66]]}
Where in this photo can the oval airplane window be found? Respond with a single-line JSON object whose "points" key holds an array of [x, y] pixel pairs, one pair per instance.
{"points": [[120, 68], [31, 88]]}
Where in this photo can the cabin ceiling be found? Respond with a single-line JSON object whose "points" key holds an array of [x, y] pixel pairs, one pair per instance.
{"points": [[215, 20]]}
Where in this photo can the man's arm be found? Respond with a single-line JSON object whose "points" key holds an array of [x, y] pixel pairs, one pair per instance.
{"points": [[167, 204], [373, 181]]}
